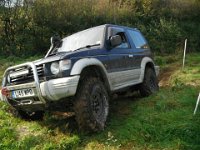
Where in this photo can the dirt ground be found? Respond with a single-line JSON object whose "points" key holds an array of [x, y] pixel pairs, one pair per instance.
{"points": [[165, 75]]}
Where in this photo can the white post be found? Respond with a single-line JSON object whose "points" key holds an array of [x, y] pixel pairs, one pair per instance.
{"points": [[198, 99], [184, 53]]}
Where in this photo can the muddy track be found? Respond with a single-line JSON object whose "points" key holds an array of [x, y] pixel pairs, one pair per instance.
{"points": [[166, 73]]}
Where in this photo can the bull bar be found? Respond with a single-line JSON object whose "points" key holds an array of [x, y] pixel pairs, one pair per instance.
{"points": [[36, 82]]}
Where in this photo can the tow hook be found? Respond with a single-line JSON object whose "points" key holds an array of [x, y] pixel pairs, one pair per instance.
{"points": [[5, 92]]}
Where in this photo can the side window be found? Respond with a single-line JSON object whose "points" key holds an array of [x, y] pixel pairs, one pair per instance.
{"points": [[138, 39], [121, 32]]}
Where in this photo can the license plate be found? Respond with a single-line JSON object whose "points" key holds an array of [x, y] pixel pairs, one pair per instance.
{"points": [[23, 93]]}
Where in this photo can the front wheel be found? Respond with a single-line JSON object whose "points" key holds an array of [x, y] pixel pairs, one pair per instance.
{"points": [[150, 83], [91, 105]]}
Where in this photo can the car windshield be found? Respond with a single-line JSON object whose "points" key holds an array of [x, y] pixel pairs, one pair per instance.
{"points": [[89, 37]]}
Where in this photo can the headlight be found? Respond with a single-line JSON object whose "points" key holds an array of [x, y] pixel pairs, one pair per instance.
{"points": [[65, 64], [55, 68]]}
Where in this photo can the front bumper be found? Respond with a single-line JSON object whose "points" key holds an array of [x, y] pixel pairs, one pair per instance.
{"points": [[51, 90], [44, 92], [59, 88]]}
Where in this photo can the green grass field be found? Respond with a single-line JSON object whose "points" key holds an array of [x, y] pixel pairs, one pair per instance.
{"points": [[162, 121]]}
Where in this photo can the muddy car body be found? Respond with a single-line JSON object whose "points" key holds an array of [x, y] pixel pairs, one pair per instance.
{"points": [[80, 72]]}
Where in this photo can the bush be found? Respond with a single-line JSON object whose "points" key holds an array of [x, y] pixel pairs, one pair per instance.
{"points": [[26, 29]]}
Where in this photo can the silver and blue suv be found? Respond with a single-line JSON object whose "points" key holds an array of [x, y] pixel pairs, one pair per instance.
{"points": [[80, 72]]}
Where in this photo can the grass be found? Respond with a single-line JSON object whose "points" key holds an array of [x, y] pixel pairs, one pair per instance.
{"points": [[190, 74], [162, 121]]}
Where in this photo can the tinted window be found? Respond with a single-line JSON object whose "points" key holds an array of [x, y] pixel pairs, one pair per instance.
{"points": [[138, 39], [119, 31]]}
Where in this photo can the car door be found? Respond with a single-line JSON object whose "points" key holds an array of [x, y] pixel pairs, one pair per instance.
{"points": [[121, 60], [140, 49]]}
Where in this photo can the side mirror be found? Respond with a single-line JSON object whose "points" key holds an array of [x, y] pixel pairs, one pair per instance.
{"points": [[115, 40]]}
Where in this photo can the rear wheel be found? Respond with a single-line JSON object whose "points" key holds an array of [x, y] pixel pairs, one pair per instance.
{"points": [[150, 83], [91, 105]]}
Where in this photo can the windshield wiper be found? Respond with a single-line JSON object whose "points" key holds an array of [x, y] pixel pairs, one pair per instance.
{"points": [[87, 46]]}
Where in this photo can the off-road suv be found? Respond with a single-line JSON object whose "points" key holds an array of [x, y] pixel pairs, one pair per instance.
{"points": [[80, 72]]}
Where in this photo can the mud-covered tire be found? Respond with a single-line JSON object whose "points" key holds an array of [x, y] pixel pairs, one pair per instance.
{"points": [[33, 116], [91, 105], [150, 83]]}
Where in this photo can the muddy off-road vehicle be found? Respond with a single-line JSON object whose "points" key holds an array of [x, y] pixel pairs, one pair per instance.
{"points": [[80, 72]]}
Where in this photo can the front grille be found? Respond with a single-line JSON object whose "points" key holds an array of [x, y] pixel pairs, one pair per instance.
{"points": [[25, 75]]}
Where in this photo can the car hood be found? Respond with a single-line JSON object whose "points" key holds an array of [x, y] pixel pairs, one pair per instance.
{"points": [[67, 55], [52, 58]]}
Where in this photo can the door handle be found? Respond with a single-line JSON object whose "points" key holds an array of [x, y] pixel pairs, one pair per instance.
{"points": [[130, 56]]}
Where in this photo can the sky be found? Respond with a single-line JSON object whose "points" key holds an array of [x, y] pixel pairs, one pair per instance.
{"points": [[13, 2]]}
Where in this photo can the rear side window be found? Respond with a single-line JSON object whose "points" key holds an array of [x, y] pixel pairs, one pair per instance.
{"points": [[138, 39]]}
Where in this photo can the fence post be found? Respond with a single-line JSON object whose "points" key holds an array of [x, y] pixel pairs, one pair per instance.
{"points": [[197, 103], [184, 53]]}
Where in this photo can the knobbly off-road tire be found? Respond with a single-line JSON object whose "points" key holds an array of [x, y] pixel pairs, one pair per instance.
{"points": [[33, 116], [150, 83], [91, 105]]}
